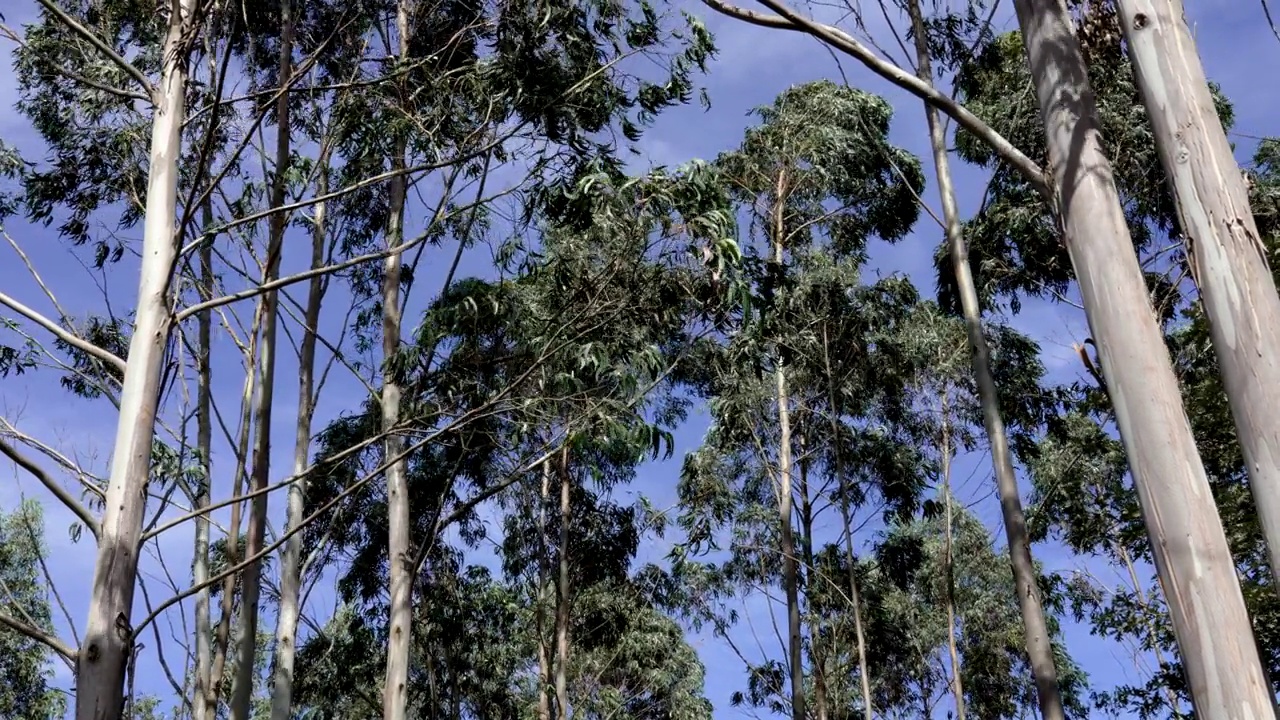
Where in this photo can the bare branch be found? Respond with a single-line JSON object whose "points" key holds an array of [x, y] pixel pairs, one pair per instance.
{"points": [[62, 334], [789, 19], [39, 636], [52, 486], [101, 45]]}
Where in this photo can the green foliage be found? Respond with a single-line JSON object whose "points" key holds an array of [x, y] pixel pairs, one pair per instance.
{"points": [[26, 693]]}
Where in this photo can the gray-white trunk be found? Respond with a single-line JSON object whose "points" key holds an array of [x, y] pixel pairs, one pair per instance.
{"points": [[291, 557], [1035, 629], [251, 585], [1187, 540], [563, 603], [202, 708], [540, 607], [789, 580], [108, 637], [395, 701], [1221, 239], [948, 559]]}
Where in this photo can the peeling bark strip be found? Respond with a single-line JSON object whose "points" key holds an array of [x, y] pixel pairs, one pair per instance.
{"points": [[1231, 270], [108, 634], [1187, 540]]}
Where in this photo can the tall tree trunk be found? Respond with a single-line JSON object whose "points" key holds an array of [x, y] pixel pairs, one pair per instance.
{"points": [[251, 585], [948, 557], [846, 518], [291, 558], [1035, 629], [1187, 540], [202, 708], [108, 638], [222, 641], [789, 574], [540, 603], [815, 622], [562, 607], [1223, 246], [777, 233], [395, 701]]}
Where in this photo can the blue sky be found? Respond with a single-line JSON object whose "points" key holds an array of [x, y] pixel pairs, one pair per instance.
{"points": [[752, 67]]}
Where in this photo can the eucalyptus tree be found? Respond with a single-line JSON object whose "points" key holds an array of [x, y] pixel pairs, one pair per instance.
{"points": [[1224, 251], [815, 181]]}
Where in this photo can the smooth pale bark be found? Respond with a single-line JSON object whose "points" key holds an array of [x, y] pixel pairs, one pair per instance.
{"points": [[395, 700], [251, 585], [562, 607], [285, 650], [1224, 249], [1187, 540], [540, 606], [108, 637], [222, 639], [948, 560], [201, 706], [1035, 629], [789, 580], [846, 518], [777, 232]]}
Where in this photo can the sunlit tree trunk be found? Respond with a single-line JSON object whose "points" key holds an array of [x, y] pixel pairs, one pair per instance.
{"points": [[1187, 540], [788, 545], [1220, 236], [562, 606], [291, 558], [108, 636], [1035, 628], [251, 585], [540, 603]]}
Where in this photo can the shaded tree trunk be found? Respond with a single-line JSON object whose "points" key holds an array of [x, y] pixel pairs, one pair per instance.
{"points": [[1038, 643], [562, 607], [108, 638], [291, 557], [251, 585], [399, 554], [1224, 250], [846, 518], [1187, 540], [816, 647]]}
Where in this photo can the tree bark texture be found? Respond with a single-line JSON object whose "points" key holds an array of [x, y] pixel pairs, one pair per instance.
{"points": [[108, 637], [1187, 540], [1221, 239], [251, 583], [562, 606]]}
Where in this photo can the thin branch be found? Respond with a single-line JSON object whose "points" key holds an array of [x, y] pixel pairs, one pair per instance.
{"points": [[62, 334], [84, 32], [52, 486], [789, 19], [39, 636]]}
